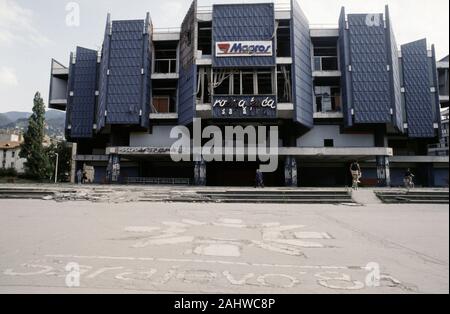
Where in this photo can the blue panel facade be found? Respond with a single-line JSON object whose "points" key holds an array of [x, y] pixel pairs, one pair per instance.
{"points": [[301, 68], [187, 85], [147, 76], [83, 85], [396, 93], [419, 100], [125, 86], [244, 22], [103, 77], [370, 77]]}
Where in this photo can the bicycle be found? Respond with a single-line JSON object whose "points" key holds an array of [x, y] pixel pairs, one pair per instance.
{"points": [[409, 183], [355, 180]]}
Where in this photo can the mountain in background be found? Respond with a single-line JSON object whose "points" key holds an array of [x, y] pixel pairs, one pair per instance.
{"points": [[15, 120], [4, 120]]}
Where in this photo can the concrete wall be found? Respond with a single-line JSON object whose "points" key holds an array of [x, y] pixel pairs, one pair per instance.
{"points": [[316, 137], [160, 137]]}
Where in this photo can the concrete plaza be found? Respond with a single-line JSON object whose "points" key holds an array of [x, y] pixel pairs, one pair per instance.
{"points": [[222, 248]]}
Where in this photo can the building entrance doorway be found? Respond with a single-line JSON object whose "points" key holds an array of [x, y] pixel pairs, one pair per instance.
{"points": [[240, 174]]}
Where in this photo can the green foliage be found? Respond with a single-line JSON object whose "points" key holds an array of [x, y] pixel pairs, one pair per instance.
{"points": [[9, 172], [38, 164], [64, 155]]}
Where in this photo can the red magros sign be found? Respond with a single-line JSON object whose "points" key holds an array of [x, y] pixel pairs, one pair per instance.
{"points": [[244, 49]]}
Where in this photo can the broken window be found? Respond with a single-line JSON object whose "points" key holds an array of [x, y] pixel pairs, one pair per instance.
{"points": [[165, 57], [205, 37], [248, 84], [284, 85], [265, 83], [284, 38], [328, 99], [326, 59]]}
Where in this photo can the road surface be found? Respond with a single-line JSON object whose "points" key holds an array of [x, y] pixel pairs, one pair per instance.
{"points": [[84, 247]]}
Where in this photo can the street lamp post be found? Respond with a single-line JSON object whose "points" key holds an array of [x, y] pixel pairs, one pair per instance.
{"points": [[56, 168]]}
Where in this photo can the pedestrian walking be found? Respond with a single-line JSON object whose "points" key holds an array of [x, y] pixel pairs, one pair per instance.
{"points": [[79, 176]]}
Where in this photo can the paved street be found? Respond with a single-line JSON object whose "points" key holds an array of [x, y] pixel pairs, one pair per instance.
{"points": [[223, 248]]}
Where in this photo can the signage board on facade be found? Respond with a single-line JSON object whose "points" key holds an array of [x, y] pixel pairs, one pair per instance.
{"points": [[154, 151], [244, 49], [245, 107]]}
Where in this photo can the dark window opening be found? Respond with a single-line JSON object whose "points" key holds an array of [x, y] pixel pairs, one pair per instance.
{"points": [[326, 59], [265, 84], [205, 37], [165, 57], [284, 38], [223, 88], [328, 143], [237, 83], [247, 84]]}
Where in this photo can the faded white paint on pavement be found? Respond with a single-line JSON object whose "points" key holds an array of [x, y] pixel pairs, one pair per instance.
{"points": [[223, 248]]}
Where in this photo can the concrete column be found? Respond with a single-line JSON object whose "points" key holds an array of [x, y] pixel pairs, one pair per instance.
{"points": [[200, 173], [383, 171], [429, 174], [73, 164], [290, 172], [113, 170]]}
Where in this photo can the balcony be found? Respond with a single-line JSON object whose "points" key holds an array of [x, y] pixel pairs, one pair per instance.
{"points": [[326, 66], [58, 86], [165, 69], [328, 103], [163, 108]]}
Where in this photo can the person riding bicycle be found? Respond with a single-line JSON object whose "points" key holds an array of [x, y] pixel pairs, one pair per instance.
{"points": [[355, 170], [409, 176]]}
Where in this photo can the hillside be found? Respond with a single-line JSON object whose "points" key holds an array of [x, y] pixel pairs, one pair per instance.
{"points": [[55, 121]]}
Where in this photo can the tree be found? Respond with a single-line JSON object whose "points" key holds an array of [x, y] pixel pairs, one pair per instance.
{"points": [[38, 164]]}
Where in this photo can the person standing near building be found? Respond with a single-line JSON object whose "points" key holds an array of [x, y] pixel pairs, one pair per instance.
{"points": [[355, 170], [79, 176]]}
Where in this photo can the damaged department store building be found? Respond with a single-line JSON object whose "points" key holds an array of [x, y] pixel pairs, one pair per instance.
{"points": [[337, 94]]}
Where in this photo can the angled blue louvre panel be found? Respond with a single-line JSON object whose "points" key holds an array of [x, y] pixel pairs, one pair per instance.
{"points": [[244, 23], [368, 53], [188, 69], [344, 60], [103, 77], [82, 93], [146, 79], [394, 63], [301, 67], [418, 80], [125, 82]]}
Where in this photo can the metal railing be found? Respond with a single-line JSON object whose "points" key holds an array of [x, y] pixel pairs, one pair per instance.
{"points": [[326, 63], [158, 181], [164, 66], [167, 30], [278, 6], [323, 26]]}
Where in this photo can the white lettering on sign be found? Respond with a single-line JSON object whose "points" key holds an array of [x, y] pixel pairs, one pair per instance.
{"points": [[244, 49]]}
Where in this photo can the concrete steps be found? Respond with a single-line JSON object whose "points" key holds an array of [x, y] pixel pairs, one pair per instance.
{"points": [[268, 197], [413, 197], [12, 193]]}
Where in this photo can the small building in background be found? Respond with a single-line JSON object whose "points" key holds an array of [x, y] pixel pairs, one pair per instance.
{"points": [[9, 156]]}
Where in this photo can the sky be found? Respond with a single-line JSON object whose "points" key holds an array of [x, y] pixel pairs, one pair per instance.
{"points": [[33, 32]]}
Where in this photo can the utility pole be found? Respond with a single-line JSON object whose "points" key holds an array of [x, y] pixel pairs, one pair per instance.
{"points": [[56, 168]]}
